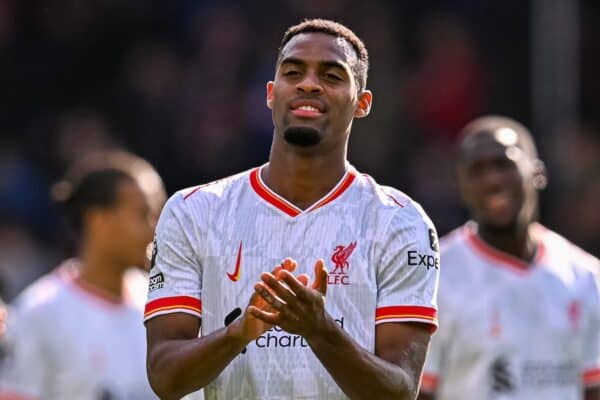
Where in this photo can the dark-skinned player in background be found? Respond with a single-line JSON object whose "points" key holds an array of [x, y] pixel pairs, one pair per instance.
{"points": [[519, 304]]}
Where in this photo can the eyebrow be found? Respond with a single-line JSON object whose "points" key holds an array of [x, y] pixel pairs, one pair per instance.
{"points": [[328, 63]]}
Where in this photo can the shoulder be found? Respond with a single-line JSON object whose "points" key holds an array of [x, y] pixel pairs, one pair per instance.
{"points": [[457, 263], [215, 190], [41, 305], [198, 201], [454, 243], [561, 251], [47, 289], [399, 207]]}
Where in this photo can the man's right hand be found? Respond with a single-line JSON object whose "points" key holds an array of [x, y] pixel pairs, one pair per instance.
{"points": [[248, 327]]}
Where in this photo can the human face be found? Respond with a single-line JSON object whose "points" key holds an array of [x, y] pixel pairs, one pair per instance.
{"points": [[131, 225], [497, 179], [314, 96]]}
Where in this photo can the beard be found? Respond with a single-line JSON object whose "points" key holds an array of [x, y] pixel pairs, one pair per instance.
{"points": [[302, 136]]}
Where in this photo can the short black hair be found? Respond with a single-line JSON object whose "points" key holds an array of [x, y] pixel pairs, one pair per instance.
{"points": [[92, 182], [317, 25], [489, 124]]}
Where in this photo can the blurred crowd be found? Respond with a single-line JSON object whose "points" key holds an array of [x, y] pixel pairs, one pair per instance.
{"points": [[182, 84]]}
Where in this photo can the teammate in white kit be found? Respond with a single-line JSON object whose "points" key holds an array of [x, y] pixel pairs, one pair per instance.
{"points": [[519, 304], [373, 251], [77, 332]]}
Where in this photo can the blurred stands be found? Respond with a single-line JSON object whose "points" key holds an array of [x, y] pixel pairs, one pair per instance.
{"points": [[182, 83]]}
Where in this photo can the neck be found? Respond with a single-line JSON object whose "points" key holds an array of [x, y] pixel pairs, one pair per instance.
{"points": [[102, 273], [514, 240], [300, 178]]}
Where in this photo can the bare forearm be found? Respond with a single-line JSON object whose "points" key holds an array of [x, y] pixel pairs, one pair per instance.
{"points": [[359, 373], [178, 367]]}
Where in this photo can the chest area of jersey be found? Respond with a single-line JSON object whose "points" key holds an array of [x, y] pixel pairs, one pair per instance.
{"points": [[532, 316], [237, 257], [105, 354], [241, 252]]}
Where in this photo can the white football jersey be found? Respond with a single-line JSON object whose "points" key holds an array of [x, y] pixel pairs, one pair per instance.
{"points": [[512, 330], [68, 341], [214, 241]]}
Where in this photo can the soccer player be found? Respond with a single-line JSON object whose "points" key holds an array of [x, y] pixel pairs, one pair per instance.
{"points": [[77, 332], [361, 327], [519, 304]]}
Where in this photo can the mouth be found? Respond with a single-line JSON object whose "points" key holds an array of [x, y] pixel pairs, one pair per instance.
{"points": [[498, 202], [305, 108]]}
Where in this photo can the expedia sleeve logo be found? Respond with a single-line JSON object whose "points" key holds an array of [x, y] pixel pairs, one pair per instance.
{"points": [[156, 282], [417, 259]]}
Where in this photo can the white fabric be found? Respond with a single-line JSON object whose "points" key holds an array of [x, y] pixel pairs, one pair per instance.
{"points": [[377, 243], [67, 341], [509, 330]]}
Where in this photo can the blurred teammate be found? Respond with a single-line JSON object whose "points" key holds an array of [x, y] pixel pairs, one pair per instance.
{"points": [[278, 337], [77, 332], [519, 304], [3, 344]]}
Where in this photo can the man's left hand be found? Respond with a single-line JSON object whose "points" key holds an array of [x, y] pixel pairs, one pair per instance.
{"points": [[299, 309]]}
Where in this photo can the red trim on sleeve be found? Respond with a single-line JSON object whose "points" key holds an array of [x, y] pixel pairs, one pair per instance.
{"points": [[591, 377], [427, 315], [173, 304], [429, 382]]}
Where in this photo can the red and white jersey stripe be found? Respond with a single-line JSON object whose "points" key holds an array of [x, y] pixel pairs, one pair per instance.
{"points": [[214, 241]]}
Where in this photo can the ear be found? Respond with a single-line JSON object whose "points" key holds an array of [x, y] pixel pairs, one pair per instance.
{"points": [[540, 178], [363, 108], [95, 219], [270, 95]]}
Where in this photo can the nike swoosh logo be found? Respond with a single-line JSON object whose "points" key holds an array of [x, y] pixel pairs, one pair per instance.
{"points": [[238, 264]]}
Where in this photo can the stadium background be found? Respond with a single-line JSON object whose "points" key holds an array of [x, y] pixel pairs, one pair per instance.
{"points": [[182, 83]]}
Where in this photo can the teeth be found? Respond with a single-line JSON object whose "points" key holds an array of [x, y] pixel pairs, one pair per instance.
{"points": [[308, 108]]}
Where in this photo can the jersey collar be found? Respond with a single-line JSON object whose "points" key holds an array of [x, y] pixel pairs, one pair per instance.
{"points": [[499, 257], [275, 200]]}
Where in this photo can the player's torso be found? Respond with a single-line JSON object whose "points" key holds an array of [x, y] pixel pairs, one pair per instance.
{"points": [[246, 237], [518, 335], [96, 349]]}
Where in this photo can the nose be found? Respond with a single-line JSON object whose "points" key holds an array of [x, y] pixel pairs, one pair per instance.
{"points": [[310, 83], [494, 178]]}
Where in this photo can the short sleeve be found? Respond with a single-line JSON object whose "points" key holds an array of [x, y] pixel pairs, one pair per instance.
{"points": [[408, 269], [23, 375], [175, 278], [591, 371]]}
